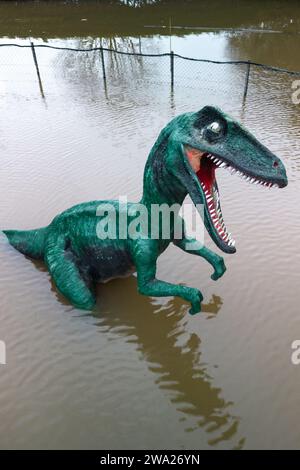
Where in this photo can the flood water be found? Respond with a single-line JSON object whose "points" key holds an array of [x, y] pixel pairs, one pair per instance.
{"points": [[141, 372]]}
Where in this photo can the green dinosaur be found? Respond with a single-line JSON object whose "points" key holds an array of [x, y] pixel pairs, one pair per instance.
{"points": [[182, 161]]}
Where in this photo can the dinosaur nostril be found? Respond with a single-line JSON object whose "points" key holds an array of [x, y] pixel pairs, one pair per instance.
{"points": [[275, 164]]}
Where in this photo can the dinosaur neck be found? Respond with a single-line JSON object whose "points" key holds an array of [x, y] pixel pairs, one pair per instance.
{"points": [[160, 185]]}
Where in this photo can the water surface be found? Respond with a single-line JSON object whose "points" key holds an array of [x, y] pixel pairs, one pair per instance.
{"points": [[140, 372]]}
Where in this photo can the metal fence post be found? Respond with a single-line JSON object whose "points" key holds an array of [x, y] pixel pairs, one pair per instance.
{"points": [[172, 68], [103, 64], [247, 80], [103, 69], [37, 68]]}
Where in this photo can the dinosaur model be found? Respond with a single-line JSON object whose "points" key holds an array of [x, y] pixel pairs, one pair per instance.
{"points": [[182, 161]]}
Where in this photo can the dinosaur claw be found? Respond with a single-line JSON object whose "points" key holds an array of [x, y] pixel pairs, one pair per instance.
{"points": [[194, 311]]}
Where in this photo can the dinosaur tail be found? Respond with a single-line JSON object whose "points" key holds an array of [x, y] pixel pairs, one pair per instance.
{"points": [[28, 242]]}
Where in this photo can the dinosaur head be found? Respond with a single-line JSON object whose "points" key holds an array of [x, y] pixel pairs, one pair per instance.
{"points": [[204, 141]]}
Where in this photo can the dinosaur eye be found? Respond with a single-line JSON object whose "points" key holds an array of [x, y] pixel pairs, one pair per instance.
{"points": [[214, 131], [214, 127]]}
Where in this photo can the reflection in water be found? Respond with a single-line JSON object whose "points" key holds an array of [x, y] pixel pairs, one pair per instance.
{"points": [[173, 355], [120, 67], [114, 17], [84, 146], [116, 65], [277, 50], [159, 331]]}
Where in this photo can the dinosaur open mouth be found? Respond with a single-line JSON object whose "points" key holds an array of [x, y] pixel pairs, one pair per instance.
{"points": [[205, 165]]}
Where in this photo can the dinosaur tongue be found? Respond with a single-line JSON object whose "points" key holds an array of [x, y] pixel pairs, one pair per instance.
{"points": [[204, 165], [207, 179], [206, 174]]}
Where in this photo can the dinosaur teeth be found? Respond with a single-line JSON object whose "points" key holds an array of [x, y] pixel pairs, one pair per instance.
{"points": [[216, 215], [253, 180], [250, 179]]}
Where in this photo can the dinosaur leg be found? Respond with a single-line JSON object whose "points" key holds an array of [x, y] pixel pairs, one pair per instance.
{"points": [[68, 279], [217, 262], [145, 264]]}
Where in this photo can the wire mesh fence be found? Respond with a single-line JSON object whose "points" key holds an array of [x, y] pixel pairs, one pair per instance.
{"points": [[50, 67]]}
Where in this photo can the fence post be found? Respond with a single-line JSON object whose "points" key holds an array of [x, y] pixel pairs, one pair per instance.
{"points": [[103, 69], [247, 80], [172, 68], [37, 68], [103, 64]]}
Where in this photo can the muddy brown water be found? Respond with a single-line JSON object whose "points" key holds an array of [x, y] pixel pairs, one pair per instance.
{"points": [[140, 372]]}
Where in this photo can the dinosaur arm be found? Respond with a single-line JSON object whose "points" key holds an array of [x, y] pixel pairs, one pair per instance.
{"points": [[145, 262], [214, 259], [191, 245]]}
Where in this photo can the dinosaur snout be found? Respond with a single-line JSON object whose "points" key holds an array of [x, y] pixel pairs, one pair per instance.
{"points": [[279, 172]]}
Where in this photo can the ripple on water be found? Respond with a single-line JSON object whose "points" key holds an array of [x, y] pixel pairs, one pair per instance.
{"points": [[140, 371]]}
